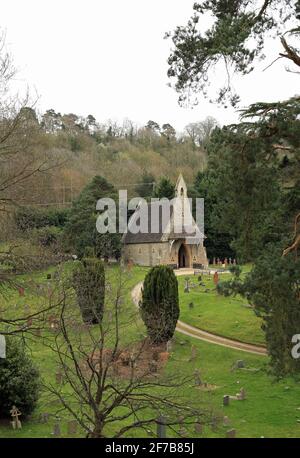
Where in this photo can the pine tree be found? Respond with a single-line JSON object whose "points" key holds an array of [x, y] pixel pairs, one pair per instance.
{"points": [[89, 284], [80, 233]]}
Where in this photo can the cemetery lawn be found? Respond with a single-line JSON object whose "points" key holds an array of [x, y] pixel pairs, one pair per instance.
{"points": [[225, 316], [272, 409]]}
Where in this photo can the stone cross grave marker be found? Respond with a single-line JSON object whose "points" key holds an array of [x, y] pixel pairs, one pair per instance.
{"points": [[15, 413]]}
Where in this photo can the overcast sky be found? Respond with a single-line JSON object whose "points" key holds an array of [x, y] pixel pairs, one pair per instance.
{"points": [[108, 58]]}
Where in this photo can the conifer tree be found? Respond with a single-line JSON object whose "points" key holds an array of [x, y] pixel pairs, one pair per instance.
{"points": [[159, 305]]}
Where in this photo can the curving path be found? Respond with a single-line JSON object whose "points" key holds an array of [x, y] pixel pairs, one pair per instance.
{"points": [[197, 333]]}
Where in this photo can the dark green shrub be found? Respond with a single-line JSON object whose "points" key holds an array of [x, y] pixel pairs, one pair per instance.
{"points": [[159, 305], [89, 284], [47, 236], [30, 218], [19, 380]]}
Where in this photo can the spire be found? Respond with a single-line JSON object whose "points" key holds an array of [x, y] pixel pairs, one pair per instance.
{"points": [[180, 188]]}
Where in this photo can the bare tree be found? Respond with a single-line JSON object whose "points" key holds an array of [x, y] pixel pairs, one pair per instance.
{"points": [[112, 380], [199, 132]]}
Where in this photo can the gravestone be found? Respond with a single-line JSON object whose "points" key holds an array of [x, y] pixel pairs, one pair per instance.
{"points": [[226, 400], [193, 353], [56, 430], [241, 395], [59, 377], [15, 413], [198, 428], [152, 366], [216, 278], [161, 427], [49, 276], [44, 417], [226, 421], [187, 285], [198, 381], [240, 364], [214, 424], [231, 433], [169, 346], [72, 427], [2, 347], [191, 305]]}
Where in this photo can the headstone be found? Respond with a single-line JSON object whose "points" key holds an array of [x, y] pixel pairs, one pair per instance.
{"points": [[214, 423], [193, 353], [191, 305], [187, 285], [15, 413], [49, 276], [56, 430], [2, 347], [240, 364], [169, 346], [72, 427], [216, 278], [161, 427], [226, 399], [152, 366], [44, 417], [231, 433], [198, 381], [59, 377], [241, 395], [226, 421], [198, 428], [214, 261]]}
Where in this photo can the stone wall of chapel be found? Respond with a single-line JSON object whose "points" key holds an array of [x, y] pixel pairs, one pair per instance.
{"points": [[152, 254]]}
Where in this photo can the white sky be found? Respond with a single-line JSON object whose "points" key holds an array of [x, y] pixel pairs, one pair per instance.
{"points": [[108, 58]]}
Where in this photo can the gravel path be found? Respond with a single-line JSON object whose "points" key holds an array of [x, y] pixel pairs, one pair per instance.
{"points": [[197, 333]]}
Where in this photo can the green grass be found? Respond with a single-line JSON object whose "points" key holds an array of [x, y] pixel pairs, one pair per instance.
{"points": [[225, 316], [270, 410]]}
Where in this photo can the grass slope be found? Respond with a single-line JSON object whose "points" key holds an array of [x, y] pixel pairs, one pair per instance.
{"points": [[272, 409]]}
